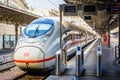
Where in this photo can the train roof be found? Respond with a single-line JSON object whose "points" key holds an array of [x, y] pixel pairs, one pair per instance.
{"points": [[43, 20], [68, 24]]}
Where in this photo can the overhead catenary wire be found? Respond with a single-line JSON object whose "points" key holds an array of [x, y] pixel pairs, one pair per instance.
{"points": [[53, 4]]}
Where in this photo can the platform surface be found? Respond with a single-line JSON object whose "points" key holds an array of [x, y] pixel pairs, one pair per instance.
{"points": [[110, 70]]}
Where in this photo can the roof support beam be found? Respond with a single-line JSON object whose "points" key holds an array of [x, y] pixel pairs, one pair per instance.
{"points": [[16, 32], [119, 40]]}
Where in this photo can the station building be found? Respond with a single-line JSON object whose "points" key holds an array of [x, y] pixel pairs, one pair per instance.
{"points": [[7, 31]]}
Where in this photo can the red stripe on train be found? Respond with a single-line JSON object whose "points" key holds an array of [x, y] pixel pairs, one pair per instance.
{"points": [[34, 61], [76, 42]]}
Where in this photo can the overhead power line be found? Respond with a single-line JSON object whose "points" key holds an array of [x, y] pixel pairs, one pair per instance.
{"points": [[53, 4]]}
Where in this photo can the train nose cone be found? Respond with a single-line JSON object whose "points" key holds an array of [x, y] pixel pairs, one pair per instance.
{"points": [[29, 57]]}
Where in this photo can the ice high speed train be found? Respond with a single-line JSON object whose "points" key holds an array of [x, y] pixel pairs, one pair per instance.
{"points": [[37, 47]]}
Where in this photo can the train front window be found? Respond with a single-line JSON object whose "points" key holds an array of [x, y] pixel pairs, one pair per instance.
{"points": [[35, 30]]}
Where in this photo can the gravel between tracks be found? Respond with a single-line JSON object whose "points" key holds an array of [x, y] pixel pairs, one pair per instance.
{"points": [[11, 74]]}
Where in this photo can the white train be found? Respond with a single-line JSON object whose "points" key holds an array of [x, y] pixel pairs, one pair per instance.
{"points": [[37, 47]]}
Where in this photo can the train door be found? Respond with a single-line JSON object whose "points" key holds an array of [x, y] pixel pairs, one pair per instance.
{"points": [[105, 39]]}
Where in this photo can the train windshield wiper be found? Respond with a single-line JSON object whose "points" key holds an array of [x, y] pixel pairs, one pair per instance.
{"points": [[36, 32]]}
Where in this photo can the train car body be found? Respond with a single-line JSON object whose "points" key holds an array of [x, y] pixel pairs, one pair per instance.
{"points": [[40, 41]]}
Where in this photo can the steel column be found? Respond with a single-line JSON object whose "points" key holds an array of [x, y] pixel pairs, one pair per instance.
{"points": [[58, 64], [119, 39], [99, 61], [109, 38], [79, 64], [16, 32], [60, 9]]}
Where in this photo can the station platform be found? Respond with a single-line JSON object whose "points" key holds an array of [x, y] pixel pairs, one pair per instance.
{"points": [[6, 51], [110, 70]]}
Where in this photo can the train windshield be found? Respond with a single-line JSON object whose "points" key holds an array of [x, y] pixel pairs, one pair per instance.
{"points": [[36, 29]]}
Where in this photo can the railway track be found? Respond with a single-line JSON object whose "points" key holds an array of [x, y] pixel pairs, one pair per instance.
{"points": [[33, 76], [11, 74], [8, 70], [6, 65], [6, 62]]}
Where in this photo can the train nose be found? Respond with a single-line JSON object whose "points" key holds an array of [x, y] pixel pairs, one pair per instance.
{"points": [[29, 57]]}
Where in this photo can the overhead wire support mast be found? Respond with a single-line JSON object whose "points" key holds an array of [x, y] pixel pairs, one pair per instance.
{"points": [[119, 39], [53, 4], [60, 9]]}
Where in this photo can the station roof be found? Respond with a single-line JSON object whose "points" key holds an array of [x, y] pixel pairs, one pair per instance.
{"points": [[86, 1], [78, 24], [101, 22], [12, 15]]}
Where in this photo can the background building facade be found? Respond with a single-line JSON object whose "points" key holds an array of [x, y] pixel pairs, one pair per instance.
{"points": [[7, 31]]}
